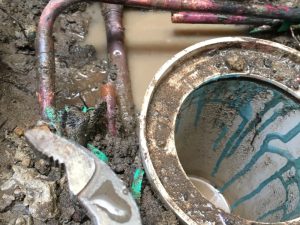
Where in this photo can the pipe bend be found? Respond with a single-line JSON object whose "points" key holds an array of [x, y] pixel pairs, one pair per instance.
{"points": [[46, 54]]}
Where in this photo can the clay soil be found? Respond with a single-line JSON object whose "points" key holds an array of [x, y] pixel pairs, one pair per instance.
{"points": [[33, 190]]}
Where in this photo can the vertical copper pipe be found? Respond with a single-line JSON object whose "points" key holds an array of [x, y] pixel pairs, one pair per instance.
{"points": [[108, 94], [113, 15], [45, 53]]}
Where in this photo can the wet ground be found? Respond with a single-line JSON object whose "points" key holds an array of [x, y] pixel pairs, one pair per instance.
{"points": [[32, 189]]}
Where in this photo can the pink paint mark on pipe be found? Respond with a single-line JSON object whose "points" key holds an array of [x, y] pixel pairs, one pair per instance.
{"points": [[200, 5], [275, 9], [194, 17], [235, 19]]}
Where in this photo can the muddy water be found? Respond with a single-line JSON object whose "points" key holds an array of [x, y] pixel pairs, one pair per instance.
{"points": [[151, 39]]}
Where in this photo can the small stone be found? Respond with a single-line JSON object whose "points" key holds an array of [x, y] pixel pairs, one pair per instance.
{"points": [[19, 131], [276, 66], [20, 221], [24, 220], [26, 162], [30, 32], [6, 202], [23, 158], [19, 194], [42, 166], [268, 63], [40, 193], [235, 62]]}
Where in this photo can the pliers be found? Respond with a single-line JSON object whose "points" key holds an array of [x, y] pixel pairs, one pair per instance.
{"points": [[97, 187]]}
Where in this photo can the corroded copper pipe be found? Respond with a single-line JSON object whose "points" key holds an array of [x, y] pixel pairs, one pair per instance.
{"points": [[45, 53], [113, 15], [211, 18], [108, 94]]}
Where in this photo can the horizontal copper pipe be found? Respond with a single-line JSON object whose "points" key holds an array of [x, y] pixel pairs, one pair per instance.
{"points": [[211, 18]]}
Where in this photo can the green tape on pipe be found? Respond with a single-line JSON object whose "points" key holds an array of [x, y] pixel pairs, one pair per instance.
{"points": [[51, 115], [100, 155], [136, 187], [86, 109]]}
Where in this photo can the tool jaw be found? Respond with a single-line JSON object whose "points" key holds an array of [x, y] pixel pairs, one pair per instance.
{"points": [[108, 200], [79, 165], [104, 195]]}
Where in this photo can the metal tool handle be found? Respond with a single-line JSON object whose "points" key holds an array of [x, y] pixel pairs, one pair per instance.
{"points": [[108, 200]]}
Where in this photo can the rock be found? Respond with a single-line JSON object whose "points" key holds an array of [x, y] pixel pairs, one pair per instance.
{"points": [[23, 158], [24, 220], [235, 62], [20, 221], [19, 131], [6, 202], [26, 162], [42, 166], [40, 193], [30, 32], [19, 194]]}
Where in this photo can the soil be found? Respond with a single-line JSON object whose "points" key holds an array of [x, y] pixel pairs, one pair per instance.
{"points": [[79, 75]]}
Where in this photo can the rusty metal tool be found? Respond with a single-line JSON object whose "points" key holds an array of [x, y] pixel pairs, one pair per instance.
{"points": [[97, 187]]}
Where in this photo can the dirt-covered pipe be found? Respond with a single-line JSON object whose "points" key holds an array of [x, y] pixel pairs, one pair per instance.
{"points": [[211, 18], [113, 16]]}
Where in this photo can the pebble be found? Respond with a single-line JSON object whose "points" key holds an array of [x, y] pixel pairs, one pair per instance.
{"points": [[42, 166], [20, 221], [24, 220], [6, 202], [19, 194], [19, 131], [235, 62], [23, 158]]}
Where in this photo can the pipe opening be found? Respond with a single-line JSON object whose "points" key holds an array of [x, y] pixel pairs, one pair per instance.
{"points": [[238, 140]]}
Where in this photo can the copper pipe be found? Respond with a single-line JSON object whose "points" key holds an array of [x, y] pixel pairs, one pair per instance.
{"points": [[211, 18], [113, 15], [108, 94], [46, 54]]}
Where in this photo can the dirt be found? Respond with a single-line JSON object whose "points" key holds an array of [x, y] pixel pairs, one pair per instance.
{"points": [[79, 76]]}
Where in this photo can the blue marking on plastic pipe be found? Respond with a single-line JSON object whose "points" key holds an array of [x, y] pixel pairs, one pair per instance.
{"points": [[216, 94], [221, 136], [265, 147]]}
